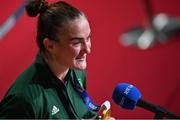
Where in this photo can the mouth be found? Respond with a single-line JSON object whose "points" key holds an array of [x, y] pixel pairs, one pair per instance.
{"points": [[82, 58]]}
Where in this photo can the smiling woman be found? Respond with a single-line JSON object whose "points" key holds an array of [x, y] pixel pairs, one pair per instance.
{"points": [[71, 49], [51, 87]]}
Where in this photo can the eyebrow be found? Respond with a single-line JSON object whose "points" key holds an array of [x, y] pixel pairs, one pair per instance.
{"points": [[75, 38], [79, 38]]}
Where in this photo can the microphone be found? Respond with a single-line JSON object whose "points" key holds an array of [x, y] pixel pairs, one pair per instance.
{"points": [[128, 97]]}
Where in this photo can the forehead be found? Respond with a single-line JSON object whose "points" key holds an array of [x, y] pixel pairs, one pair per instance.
{"points": [[78, 27]]}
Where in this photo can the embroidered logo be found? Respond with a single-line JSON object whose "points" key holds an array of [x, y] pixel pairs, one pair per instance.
{"points": [[54, 110], [80, 82]]}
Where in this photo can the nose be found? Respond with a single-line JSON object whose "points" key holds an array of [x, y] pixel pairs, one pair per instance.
{"points": [[86, 47]]}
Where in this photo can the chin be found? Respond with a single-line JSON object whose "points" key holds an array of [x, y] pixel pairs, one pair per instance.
{"points": [[81, 66]]}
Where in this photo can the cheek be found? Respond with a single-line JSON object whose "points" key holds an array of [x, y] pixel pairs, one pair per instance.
{"points": [[75, 51]]}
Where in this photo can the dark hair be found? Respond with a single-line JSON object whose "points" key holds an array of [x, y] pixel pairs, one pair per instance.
{"points": [[52, 18]]}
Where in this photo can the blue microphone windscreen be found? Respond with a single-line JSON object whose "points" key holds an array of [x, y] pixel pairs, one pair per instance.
{"points": [[126, 95]]}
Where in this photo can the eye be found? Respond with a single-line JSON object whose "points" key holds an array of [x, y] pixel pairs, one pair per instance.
{"points": [[76, 42]]}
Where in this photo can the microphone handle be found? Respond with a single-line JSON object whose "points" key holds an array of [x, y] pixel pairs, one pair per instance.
{"points": [[158, 110]]}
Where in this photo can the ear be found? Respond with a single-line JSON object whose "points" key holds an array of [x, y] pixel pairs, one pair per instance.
{"points": [[48, 44]]}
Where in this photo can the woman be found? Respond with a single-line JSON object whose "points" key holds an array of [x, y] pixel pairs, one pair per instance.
{"points": [[54, 85]]}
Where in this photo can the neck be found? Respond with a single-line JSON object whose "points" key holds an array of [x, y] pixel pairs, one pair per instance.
{"points": [[59, 70]]}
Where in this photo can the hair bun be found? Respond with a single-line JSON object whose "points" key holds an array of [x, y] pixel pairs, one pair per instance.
{"points": [[33, 7]]}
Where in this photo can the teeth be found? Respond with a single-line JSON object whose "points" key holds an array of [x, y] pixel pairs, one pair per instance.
{"points": [[81, 58]]}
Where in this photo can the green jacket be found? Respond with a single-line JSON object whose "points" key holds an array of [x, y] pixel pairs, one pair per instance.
{"points": [[37, 93]]}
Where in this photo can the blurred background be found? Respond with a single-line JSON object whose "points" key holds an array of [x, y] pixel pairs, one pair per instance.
{"points": [[133, 41]]}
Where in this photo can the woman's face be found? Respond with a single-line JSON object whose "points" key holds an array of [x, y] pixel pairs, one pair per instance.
{"points": [[74, 44]]}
